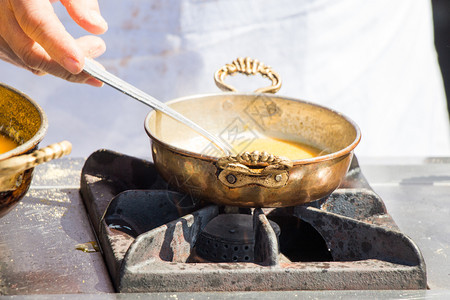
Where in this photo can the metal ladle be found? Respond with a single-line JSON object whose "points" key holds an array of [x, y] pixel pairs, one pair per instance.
{"points": [[96, 71]]}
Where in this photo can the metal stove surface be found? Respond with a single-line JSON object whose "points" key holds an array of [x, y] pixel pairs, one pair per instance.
{"points": [[148, 235], [39, 257]]}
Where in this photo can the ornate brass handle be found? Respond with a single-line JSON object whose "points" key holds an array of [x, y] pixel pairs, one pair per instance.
{"points": [[262, 169], [248, 66], [11, 168]]}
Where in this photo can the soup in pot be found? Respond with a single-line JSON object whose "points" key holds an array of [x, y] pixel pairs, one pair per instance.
{"points": [[6, 144], [279, 147], [293, 150]]}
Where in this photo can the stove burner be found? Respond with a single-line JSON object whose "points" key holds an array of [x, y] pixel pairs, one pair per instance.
{"points": [[150, 235], [229, 238]]}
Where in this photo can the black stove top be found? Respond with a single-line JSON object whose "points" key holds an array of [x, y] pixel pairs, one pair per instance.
{"points": [[155, 239]]}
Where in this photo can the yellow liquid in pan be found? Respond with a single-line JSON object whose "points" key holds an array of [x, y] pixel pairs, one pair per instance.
{"points": [[6, 144], [279, 147]]}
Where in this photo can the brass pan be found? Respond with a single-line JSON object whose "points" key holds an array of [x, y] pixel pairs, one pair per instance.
{"points": [[257, 179], [24, 121]]}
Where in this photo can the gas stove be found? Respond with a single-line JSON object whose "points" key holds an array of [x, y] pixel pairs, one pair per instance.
{"points": [[156, 239]]}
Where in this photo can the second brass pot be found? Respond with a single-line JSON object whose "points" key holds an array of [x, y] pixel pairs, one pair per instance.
{"points": [[23, 121]]}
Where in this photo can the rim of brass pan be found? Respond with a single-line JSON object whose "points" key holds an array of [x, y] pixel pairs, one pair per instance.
{"points": [[28, 121]]}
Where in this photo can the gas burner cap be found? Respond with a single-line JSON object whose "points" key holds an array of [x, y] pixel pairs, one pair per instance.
{"points": [[229, 238]]}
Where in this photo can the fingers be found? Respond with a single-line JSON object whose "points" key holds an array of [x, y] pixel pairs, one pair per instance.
{"points": [[37, 20], [31, 36], [86, 13], [8, 55], [30, 55], [22, 49], [91, 47]]}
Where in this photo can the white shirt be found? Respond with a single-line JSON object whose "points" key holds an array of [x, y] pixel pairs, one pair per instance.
{"points": [[373, 61]]}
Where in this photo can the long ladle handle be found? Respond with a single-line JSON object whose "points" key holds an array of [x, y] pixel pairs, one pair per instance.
{"points": [[93, 69]]}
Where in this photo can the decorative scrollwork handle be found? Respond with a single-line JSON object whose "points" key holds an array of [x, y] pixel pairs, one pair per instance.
{"points": [[11, 168], [247, 66], [262, 169], [256, 159]]}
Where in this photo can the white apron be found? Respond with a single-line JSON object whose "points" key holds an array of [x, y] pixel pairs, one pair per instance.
{"points": [[373, 61]]}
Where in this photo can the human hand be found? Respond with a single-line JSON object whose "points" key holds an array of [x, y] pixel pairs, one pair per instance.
{"points": [[32, 37]]}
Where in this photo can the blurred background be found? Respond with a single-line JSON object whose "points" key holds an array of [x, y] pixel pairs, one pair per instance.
{"points": [[144, 47]]}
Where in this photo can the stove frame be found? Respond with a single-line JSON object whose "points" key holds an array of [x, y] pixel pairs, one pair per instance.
{"points": [[148, 245]]}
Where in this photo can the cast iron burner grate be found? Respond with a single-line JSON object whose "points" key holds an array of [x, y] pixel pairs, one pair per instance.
{"points": [[149, 235]]}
